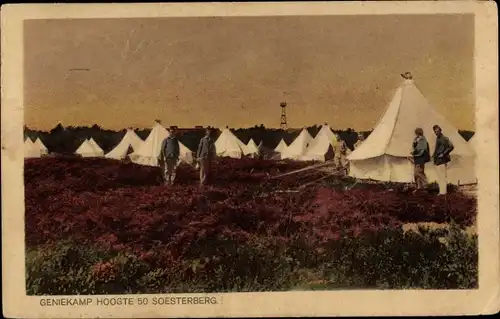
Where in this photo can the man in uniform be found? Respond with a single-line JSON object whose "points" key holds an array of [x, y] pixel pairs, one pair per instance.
{"points": [[441, 158], [169, 156], [340, 153], [205, 155], [420, 156]]}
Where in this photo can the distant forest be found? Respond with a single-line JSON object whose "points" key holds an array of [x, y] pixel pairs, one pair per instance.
{"points": [[65, 140]]}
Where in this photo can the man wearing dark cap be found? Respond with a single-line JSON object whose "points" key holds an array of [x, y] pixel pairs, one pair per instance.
{"points": [[205, 154], [442, 157], [421, 155], [169, 156]]}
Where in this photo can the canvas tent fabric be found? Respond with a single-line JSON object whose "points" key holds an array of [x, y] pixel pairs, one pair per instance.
{"points": [[281, 146], [384, 154], [88, 149], [43, 149], [186, 155], [149, 151], [31, 150], [473, 143], [298, 147], [96, 146], [321, 147], [228, 145], [129, 140], [252, 148]]}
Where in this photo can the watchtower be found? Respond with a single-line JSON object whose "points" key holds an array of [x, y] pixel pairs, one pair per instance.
{"points": [[283, 124]]}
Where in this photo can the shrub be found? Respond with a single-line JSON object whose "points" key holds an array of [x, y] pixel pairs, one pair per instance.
{"points": [[243, 233], [388, 259]]}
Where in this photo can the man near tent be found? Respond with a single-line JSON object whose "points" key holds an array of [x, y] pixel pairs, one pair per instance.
{"points": [[340, 152], [205, 155], [169, 156], [420, 155], [360, 140], [442, 157]]}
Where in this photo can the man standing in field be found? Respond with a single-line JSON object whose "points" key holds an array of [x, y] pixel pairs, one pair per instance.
{"points": [[420, 155], [441, 158], [169, 156], [340, 152], [360, 140], [205, 154]]}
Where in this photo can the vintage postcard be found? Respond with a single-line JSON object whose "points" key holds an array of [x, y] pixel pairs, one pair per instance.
{"points": [[250, 159]]}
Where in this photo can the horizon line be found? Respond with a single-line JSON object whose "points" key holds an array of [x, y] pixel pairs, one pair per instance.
{"points": [[202, 127]]}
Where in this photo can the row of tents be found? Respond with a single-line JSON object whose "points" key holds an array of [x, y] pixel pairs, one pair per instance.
{"points": [[34, 149], [304, 147], [383, 156]]}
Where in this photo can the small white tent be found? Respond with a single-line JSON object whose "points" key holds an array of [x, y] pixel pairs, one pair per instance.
{"points": [[30, 149], [298, 147], [252, 148], [321, 147], [88, 149], [228, 145], [41, 147], [281, 146], [149, 151], [130, 140], [96, 146], [384, 154], [186, 155]]}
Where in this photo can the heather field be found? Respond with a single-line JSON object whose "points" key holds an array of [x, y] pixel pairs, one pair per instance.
{"points": [[98, 226]]}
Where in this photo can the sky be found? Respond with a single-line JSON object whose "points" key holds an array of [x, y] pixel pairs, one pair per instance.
{"points": [[235, 71]]}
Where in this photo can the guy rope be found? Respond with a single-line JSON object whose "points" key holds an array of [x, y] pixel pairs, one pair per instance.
{"points": [[312, 167]]}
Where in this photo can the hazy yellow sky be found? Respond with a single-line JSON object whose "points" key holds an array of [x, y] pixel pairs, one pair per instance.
{"points": [[236, 71]]}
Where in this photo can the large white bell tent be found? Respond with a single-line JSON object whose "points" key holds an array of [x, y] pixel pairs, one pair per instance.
{"points": [[384, 154], [129, 143], [228, 145], [298, 147]]}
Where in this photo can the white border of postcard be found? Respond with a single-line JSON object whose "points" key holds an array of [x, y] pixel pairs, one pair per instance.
{"points": [[326, 303]]}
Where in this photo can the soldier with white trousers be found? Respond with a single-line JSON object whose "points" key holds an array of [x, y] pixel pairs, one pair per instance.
{"points": [[441, 158]]}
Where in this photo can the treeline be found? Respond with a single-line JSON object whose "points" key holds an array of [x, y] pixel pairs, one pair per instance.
{"points": [[65, 140]]}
